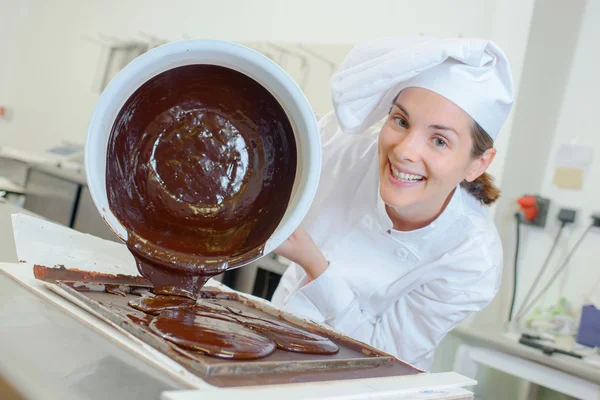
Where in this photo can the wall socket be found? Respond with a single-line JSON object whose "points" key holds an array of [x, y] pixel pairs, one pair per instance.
{"points": [[596, 219], [543, 205]]}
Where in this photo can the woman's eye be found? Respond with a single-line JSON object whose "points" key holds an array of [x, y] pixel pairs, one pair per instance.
{"points": [[401, 122], [439, 142]]}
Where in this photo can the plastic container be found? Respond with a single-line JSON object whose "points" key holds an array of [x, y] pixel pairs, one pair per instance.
{"points": [[221, 53]]}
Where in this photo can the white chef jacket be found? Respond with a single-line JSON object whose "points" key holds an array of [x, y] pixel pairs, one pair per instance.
{"points": [[399, 291]]}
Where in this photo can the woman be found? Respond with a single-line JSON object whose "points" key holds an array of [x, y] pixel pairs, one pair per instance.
{"points": [[398, 247]]}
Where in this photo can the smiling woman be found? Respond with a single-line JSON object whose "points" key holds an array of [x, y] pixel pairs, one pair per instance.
{"points": [[398, 247]]}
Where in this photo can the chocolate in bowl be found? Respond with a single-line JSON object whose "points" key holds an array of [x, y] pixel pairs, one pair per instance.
{"points": [[200, 167]]}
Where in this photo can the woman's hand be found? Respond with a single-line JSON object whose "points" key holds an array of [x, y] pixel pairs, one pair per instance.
{"points": [[300, 249]]}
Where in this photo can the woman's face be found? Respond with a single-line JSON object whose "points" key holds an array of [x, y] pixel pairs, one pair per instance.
{"points": [[425, 151]]}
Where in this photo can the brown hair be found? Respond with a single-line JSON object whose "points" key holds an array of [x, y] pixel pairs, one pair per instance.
{"points": [[482, 188]]}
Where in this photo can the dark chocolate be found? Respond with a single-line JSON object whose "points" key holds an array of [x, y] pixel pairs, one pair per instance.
{"points": [[285, 336], [211, 336], [156, 304], [289, 338], [201, 162], [200, 169], [348, 350]]}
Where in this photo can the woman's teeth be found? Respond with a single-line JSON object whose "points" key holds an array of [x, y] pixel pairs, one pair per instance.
{"points": [[401, 176]]}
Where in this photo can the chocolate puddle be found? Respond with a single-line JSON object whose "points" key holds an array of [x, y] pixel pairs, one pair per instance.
{"points": [[211, 336], [155, 304], [200, 167], [211, 305], [289, 338], [284, 336]]}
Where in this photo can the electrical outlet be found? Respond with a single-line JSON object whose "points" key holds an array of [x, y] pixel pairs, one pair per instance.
{"points": [[596, 220], [543, 205], [5, 113], [567, 215]]}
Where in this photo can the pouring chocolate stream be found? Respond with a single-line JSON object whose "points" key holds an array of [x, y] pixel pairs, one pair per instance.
{"points": [[200, 170]]}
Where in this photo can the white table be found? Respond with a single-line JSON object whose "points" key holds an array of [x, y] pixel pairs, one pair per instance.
{"points": [[558, 372]]}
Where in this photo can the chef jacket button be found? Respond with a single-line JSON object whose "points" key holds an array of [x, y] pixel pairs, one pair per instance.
{"points": [[401, 253], [367, 221]]}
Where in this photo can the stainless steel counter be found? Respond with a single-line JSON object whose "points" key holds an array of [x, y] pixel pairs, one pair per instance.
{"points": [[47, 354]]}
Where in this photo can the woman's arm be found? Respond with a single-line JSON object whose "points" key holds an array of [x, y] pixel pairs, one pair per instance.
{"points": [[413, 325], [302, 250]]}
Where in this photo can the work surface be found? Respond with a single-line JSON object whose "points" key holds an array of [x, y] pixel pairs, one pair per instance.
{"points": [[7, 242], [509, 344], [46, 352], [53, 349]]}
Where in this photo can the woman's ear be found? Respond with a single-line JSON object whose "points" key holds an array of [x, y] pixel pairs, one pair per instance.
{"points": [[480, 165]]}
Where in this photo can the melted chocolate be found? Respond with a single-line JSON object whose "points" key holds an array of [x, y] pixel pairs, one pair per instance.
{"points": [[289, 338], [285, 336], [200, 168], [210, 305], [211, 336], [156, 304]]}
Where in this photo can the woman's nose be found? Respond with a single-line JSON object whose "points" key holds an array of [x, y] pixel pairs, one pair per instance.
{"points": [[409, 148]]}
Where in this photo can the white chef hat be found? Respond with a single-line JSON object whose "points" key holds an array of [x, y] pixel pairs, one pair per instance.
{"points": [[474, 74]]}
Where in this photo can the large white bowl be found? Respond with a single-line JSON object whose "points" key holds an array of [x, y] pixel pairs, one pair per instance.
{"points": [[221, 53]]}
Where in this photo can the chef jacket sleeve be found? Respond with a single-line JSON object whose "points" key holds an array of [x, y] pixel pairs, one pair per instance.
{"points": [[291, 280]]}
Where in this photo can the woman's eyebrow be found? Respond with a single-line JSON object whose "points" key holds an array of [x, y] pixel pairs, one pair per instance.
{"points": [[443, 128], [402, 109]]}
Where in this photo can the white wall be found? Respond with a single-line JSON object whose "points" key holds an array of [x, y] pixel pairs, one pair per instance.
{"points": [[310, 65], [13, 34], [576, 122], [509, 28], [551, 44], [52, 87]]}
